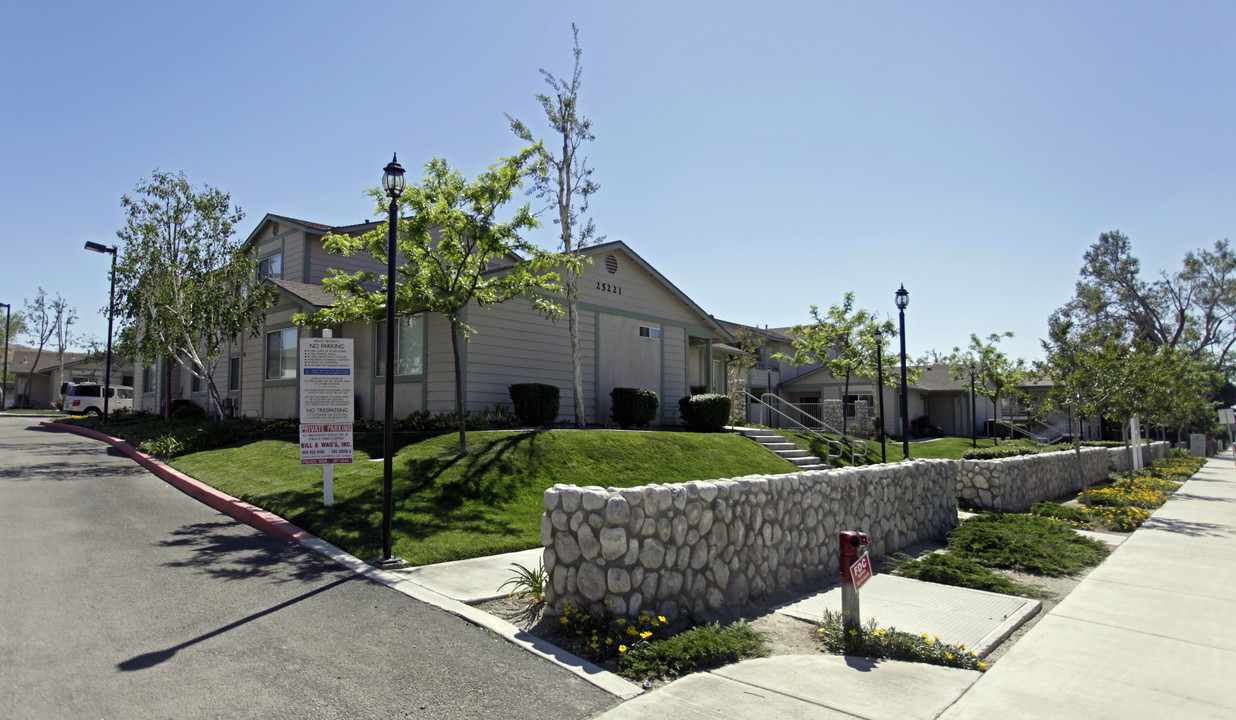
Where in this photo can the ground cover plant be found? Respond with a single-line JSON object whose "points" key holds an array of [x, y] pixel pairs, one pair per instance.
{"points": [[645, 647], [1028, 543], [872, 641], [1124, 504], [951, 569], [450, 507]]}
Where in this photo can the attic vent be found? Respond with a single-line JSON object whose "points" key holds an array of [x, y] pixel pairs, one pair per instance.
{"points": [[611, 264], [274, 229]]}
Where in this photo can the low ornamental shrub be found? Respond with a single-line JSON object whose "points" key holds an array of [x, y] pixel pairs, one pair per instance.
{"points": [[536, 404], [633, 407], [1072, 515], [1028, 543], [705, 413], [700, 648], [949, 569], [996, 453], [875, 642]]}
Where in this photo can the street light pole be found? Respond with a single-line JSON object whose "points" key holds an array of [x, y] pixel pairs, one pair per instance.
{"points": [[903, 301], [392, 182], [879, 338], [4, 379], [111, 311], [973, 419]]}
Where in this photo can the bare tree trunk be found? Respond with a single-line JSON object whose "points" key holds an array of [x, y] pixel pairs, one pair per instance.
{"points": [[577, 374], [1081, 475], [1128, 446], [459, 390], [169, 365]]}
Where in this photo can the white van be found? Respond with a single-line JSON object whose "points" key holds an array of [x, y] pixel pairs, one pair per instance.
{"points": [[88, 398]]}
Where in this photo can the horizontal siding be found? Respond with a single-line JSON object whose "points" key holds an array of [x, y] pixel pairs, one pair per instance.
{"points": [[320, 261], [515, 345], [641, 293], [675, 343], [440, 366]]}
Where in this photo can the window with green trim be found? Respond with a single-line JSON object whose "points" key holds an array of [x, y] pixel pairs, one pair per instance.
{"points": [[409, 346]]}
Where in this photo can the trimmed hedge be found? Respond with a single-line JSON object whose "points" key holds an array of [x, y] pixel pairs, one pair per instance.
{"points": [[633, 407], [705, 413], [995, 453], [536, 404]]}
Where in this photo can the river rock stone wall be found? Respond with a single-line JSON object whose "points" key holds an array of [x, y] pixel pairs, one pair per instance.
{"points": [[1151, 451], [709, 546], [832, 412], [1014, 484]]}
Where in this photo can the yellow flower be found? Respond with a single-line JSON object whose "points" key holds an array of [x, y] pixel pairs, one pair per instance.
{"points": [[622, 621], [564, 620], [609, 641], [982, 665], [973, 654], [622, 648], [661, 618], [928, 641], [607, 602], [645, 635], [924, 636], [948, 655], [821, 629], [853, 632]]}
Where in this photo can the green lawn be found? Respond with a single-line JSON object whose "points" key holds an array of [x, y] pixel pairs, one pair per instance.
{"points": [[449, 507], [949, 448]]}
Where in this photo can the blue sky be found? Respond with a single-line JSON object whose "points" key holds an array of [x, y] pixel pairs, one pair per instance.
{"points": [[764, 158]]}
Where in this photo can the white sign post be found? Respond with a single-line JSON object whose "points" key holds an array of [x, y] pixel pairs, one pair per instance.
{"points": [[326, 406]]}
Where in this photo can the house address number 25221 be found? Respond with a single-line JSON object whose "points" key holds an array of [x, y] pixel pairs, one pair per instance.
{"points": [[606, 287]]}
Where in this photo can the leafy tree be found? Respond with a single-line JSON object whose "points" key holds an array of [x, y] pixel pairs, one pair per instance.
{"points": [[842, 341], [1190, 310], [183, 284], [42, 315], [565, 178], [16, 328], [66, 315], [1088, 371], [456, 253], [998, 375]]}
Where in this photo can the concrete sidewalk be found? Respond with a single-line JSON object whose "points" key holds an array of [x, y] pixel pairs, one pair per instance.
{"points": [[1151, 633]]}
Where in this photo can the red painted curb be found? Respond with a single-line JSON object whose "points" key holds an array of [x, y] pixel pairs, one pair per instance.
{"points": [[221, 501]]}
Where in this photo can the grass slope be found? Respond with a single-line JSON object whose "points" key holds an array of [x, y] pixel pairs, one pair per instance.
{"points": [[449, 507], [949, 448]]}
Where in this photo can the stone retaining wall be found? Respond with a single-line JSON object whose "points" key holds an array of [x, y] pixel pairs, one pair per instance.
{"points": [[705, 546], [1151, 451], [1014, 484]]}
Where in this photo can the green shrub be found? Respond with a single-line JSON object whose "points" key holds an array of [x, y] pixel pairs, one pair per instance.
{"points": [[705, 413], [536, 404], [633, 407], [996, 453], [700, 648], [184, 409]]}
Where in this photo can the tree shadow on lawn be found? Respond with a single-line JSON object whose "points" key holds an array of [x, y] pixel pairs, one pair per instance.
{"points": [[491, 474]]}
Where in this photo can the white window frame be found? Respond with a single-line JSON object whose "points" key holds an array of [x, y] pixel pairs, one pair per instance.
{"points": [[649, 332], [286, 354], [409, 345]]}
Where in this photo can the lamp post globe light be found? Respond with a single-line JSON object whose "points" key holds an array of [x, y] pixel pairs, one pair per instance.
{"points": [[4, 379], [879, 339], [903, 301], [392, 183], [111, 311]]}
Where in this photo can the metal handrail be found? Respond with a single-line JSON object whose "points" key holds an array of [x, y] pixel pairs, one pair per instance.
{"points": [[857, 447], [1036, 439], [828, 442]]}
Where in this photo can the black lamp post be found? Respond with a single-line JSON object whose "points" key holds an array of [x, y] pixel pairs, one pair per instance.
{"points": [[4, 379], [973, 419], [903, 301], [879, 339], [392, 183], [111, 311]]}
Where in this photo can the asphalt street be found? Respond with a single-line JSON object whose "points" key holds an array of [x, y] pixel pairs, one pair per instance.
{"points": [[121, 597]]}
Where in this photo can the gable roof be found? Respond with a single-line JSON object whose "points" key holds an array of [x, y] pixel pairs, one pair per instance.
{"points": [[711, 321], [303, 225], [312, 295]]}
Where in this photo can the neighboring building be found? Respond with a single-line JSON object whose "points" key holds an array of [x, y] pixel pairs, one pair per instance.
{"points": [[636, 330], [44, 389]]}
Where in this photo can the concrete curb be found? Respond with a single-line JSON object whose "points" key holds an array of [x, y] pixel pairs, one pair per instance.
{"points": [[275, 525]]}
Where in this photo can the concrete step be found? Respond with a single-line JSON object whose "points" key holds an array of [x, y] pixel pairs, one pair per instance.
{"points": [[795, 453], [777, 446]]}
